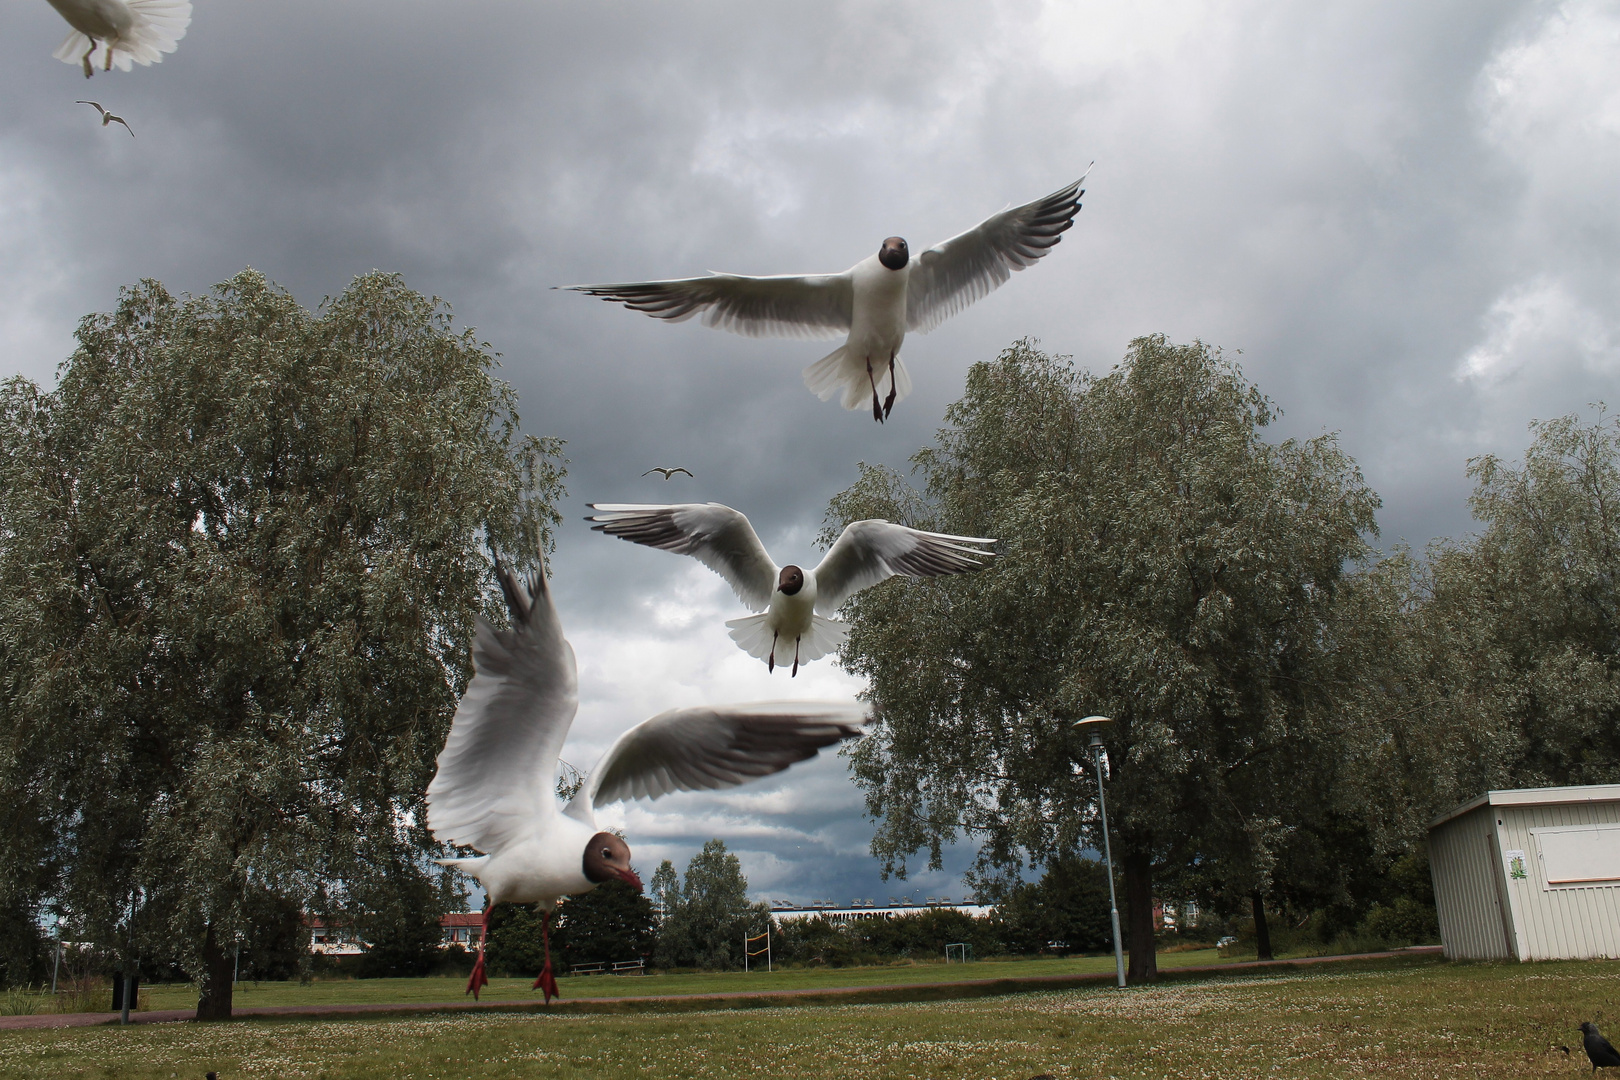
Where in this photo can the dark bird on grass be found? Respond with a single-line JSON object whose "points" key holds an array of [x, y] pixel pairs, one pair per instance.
{"points": [[667, 473], [1599, 1050], [495, 787], [109, 118], [874, 303]]}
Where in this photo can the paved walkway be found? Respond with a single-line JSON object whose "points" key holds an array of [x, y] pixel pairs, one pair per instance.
{"points": [[894, 992]]}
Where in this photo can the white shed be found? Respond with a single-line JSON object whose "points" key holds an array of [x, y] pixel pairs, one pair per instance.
{"points": [[1529, 875]]}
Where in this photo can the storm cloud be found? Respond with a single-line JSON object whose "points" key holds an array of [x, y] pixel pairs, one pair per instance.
{"points": [[1402, 216]]}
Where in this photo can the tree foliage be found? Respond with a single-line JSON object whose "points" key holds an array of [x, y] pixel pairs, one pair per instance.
{"points": [[241, 547], [708, 920], [1161, 563]]}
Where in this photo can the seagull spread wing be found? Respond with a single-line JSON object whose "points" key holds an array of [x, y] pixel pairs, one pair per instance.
{"points": [[715, 535], [715, 746], [497, 772], [950, 276], [819, 306], [873, 550]]}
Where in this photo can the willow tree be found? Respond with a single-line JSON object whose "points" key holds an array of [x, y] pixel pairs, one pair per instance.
{"points": [[1497, 657], [1161, 563], [241, 548]]}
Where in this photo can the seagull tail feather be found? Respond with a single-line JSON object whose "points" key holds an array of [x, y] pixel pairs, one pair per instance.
{"points": [[824, 637], [752, 635], [844, 369]]}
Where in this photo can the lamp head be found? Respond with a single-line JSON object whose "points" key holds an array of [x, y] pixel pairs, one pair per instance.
{"points": [[1094, 724]]}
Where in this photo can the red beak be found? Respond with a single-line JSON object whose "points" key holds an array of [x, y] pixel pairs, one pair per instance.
{"points": [[630, 876]]}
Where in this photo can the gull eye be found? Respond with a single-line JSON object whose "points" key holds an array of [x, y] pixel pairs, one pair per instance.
{"points": [[607, 853]]}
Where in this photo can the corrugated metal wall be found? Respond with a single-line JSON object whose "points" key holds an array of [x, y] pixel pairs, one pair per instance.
{"points": [[1466, 864], [1577, 922]]}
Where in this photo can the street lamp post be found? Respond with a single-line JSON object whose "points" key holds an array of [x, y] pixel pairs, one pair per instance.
{"points": [[1094, 722]]}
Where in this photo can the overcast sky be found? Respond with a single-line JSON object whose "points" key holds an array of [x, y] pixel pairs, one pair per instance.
{"points": [[1403, 215]]}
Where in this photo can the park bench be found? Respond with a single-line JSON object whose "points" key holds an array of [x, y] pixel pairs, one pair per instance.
{"points": [[630, 967], [586, 969]]}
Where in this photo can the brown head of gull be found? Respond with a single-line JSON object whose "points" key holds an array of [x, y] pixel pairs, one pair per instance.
{"points": [[894, 254], [607, 858]]}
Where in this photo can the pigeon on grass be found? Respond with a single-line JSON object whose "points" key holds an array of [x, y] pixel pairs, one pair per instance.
{"points": [[1599, 1050]]}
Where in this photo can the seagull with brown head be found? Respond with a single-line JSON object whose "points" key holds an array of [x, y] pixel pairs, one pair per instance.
{"points": [[873, 304], [794, 603], [494, 792]]}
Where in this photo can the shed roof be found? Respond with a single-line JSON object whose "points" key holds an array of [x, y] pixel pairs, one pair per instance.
{"points": [[1547, 796]]}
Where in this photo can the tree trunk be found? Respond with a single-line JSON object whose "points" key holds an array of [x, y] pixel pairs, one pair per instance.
{"points": [[1262, 932], [215, 1002], [1144, 967]]}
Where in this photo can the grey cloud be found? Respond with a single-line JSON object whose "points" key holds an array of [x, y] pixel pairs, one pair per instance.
{"points": [[1365, 199]]}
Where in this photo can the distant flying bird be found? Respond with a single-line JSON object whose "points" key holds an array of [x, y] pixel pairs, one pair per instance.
{"points": [[494, 787], [789, 597], [1599, 1051], [107, 117], [121, 32], [875, 302], [666, 472]]}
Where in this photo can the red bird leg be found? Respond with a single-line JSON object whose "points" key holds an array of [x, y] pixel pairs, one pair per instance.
{"points": [[894, 388], [795, 659], [547, 982], [478, 979], [877, 409], [770, 664]]}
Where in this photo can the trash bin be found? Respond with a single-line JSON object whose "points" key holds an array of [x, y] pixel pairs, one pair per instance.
{"points": [[118, 992]]}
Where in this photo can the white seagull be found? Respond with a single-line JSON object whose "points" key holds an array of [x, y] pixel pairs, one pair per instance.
{"points": [[793, 601], [494, 789], [107, 117], [874, 303], [121, 32]]}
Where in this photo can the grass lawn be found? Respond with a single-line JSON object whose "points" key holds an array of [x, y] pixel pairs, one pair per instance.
{"points": [[1413, 1018], [344, 991]]}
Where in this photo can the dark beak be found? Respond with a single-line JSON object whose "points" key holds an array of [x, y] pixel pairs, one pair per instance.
{"points": [[630, 876]]}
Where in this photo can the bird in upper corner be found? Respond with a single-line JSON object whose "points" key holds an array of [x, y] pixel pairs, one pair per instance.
{"points": [[1599, 1051], [667, 473], [109, 118], [494, 788], [874, 303], [121, 32], [792, 601]]}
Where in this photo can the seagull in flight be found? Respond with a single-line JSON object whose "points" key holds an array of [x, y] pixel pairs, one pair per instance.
{"points": [[122, 31], [667, 473], [873, 303], [494, 788], [792, 601], [109, 118]]}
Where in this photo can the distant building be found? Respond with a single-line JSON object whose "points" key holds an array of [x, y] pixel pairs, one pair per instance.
{"points": [[1529, 875], [458, 928], [857, 910]]}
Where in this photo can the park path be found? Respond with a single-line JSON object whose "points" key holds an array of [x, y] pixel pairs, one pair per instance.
{"points": [[892, 992]]}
